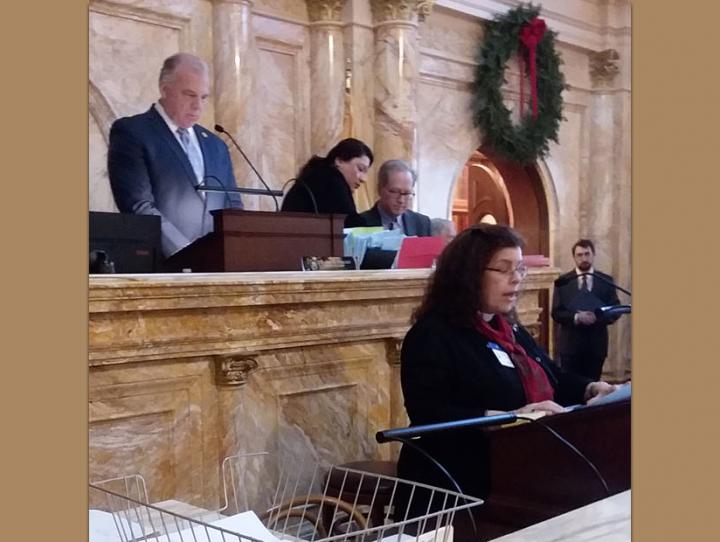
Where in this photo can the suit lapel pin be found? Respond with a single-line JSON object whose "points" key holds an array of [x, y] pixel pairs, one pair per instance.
{"points": [[204, 134]]}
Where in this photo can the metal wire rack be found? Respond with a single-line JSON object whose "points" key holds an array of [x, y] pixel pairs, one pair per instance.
{"points": [[268, 501]]}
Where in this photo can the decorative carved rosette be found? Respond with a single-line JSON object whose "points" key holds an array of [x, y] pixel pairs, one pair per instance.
{"points": [[324, 10], [401, 10], [604, 66], [233, 371]]}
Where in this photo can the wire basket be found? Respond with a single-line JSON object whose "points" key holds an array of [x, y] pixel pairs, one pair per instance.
{"points": [[267, 501]]}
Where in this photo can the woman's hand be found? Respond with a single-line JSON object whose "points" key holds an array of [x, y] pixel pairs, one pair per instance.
{"points": [[547, 407], [596, 390]]}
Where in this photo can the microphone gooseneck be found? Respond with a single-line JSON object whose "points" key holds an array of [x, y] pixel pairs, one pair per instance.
{"points": [[562, 281], [220, 129]]}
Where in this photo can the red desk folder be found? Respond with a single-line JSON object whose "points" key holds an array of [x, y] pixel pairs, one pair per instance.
{"points": [[419, 252]]}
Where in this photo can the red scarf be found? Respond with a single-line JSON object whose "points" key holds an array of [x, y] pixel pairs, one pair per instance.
{"points": [[534, 380]]}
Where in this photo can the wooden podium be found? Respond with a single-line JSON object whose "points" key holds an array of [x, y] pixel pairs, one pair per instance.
{"points": [[260, 241], [536, 477]]}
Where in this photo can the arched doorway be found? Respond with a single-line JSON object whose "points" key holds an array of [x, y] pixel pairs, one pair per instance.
{"points": [[493, 189]]}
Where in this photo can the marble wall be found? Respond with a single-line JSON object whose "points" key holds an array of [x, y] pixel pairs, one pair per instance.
{"points": [[186, 370], [410, 68]]}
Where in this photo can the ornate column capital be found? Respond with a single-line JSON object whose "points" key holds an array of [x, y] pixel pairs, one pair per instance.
{"points": [[324, 10], [233, 371], [401, 10], [604, 66]]}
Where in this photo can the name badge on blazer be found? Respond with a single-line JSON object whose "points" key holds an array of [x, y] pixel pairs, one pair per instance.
{"points": [[501, 355]]}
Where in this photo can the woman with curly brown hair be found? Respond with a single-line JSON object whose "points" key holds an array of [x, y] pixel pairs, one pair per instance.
{"points": [[465, 357]]}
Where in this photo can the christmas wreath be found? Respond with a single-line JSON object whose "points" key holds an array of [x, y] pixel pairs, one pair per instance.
{"points": [[519, 31]]}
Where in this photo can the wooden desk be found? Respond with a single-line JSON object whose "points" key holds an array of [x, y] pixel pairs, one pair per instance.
{"points": [[535, 477], [607, 520]]}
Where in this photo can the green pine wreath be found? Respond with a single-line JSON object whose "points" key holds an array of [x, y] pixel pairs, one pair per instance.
{"points": [[528, 141]]}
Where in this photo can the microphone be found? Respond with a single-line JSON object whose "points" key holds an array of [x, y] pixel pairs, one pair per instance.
{"points": [[420, 430], [220, 129], [562, 281], [203, 187], [611, 311]]}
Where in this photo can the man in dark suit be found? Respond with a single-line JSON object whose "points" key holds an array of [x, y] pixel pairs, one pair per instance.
{"points": [[396, 181], [157, 158], [583, 340]]}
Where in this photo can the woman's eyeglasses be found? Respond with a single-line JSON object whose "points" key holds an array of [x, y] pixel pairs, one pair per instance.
{"points": [[521, 270]]}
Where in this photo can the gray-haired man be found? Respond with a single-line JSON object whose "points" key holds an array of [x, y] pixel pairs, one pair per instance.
{"points": [[396, 184]]}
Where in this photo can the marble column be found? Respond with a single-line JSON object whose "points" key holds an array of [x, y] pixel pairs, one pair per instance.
{"points": [[327, 74], [234, 68], [359, 118], [396, 62], [606, 196]]}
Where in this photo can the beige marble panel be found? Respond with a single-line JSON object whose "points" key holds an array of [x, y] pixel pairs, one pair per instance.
{"points": [[155, 421], [447, 138], [279, 111], [282, 101], [451, 32], [575, 66], [126, 55]]}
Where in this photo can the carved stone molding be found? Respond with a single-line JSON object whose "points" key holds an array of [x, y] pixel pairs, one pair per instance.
{"points": [[604, 66], [140, 14], [324, 10], [401, 10], [233, 371], [393, 351]]}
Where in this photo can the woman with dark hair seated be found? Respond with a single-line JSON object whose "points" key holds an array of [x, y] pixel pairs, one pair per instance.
{"points": [[465, 357], [326, 185]]}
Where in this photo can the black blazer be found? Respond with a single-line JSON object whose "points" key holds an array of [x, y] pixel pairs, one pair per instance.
{"points": [[574, 339], [321, 188], [414, 223], [448, 372]]}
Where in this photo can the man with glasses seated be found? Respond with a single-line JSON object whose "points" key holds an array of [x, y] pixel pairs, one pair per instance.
{"points": [[396, 183]]}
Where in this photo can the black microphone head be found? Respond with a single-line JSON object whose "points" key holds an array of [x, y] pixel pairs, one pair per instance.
{"points": [[219, 128]]}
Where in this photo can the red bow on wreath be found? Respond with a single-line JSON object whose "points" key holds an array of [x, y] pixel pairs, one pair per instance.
{"points": [[530, 36]]}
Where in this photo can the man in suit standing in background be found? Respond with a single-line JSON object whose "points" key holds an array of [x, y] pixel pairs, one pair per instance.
{"points": [[156, 159], [396, 181], [583, 340]]}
